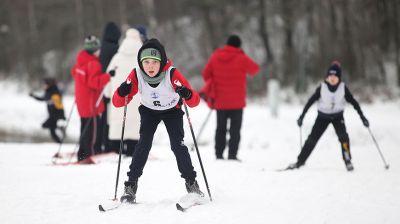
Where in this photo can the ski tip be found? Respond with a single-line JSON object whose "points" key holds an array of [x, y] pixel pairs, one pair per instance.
{"points": [[101, 208]]}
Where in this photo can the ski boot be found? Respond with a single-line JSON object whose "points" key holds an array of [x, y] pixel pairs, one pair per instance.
{"points": [[193, 187], [129, 195], [349, 165]]}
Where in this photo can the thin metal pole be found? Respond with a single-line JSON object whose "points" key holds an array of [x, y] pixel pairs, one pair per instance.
{"points": [[57, 155], [121, 145], [203, 126], [379, 150]]}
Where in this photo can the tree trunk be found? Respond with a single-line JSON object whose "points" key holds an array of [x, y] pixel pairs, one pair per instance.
{"points": [[122, 13], [264, 33], [79, 20]]}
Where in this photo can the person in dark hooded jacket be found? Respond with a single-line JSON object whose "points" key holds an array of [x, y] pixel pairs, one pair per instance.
{"points": [[331, 96], [55, 107], [161, 98], [225, 77], [109, 47], [109, 44]]}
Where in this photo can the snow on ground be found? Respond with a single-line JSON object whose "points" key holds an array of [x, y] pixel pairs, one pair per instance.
{"points": [[34, 191]]}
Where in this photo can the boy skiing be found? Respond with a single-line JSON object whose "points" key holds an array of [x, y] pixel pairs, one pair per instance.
{"points": [[331, 96], [155, 79], [55, 107]]}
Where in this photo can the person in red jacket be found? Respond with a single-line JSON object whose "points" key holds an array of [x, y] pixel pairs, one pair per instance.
{"points": [[225, 77], [89, 83], [157, 81]]}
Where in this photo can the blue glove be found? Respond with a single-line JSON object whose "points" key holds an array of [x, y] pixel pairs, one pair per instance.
{"points": [[300, 121], [365, 121]]}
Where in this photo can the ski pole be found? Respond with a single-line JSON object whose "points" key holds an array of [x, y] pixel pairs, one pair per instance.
{"points": [[57, 155], [379, 150], [301, 138], [121, 145], [87, 127], [203, 126], [194, 141]]}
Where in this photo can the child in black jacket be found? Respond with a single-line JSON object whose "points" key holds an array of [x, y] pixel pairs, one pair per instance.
{"points": [[331, 96], [55, 107]]}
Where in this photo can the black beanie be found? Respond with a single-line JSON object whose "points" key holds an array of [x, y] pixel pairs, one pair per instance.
{"points": [[234, 41], [334, 69]]}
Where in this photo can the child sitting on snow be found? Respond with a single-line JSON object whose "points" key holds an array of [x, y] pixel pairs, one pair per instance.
{"points": [[55, 107], [161, 100], [331, 96]]}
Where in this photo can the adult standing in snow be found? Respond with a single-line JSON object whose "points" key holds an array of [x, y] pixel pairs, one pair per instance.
{"points": [[109, 47], [55, 107], [331, 96], [225, 74], [89, 83], [155, 78], [122, 64]]}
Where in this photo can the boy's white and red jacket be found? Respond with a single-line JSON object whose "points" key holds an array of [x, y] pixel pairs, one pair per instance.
{"points": [[175, 76], [89, 83]]}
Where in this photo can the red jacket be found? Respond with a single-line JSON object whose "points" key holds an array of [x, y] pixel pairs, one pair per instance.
{"points": [[119, 101], [89, 83], [225, 77]]}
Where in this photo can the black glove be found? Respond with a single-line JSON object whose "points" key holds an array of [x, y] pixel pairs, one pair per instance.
{"points": [[365, 121], [300, 121], [124, 89], [112, 73], [184, 92]]}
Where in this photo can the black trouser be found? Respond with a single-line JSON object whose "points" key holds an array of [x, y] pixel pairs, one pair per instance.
{"points": [[104, 128], [51, 124], [321, 123], [173, 121], [235, 117], [89, 141]]}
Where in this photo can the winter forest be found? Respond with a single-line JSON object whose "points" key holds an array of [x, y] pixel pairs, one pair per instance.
{"points": [[302, 129], [293, 40]]}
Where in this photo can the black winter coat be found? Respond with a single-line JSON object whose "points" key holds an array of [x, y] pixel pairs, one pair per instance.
{"points": [[109, 44]]}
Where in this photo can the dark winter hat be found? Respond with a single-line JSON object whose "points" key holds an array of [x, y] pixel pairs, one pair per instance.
{"points": [[49, 81], [111, 33], [154, 44], [334, 69], [234, 41], [92, 43], [142, 31], [150, 53]]}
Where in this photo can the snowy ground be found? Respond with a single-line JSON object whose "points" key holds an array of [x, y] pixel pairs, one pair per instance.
{"points": [[34, 191]]}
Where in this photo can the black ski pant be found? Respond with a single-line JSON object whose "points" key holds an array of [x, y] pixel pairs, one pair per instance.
{"points": [[89, 141], [321, 123], [173, 121], [235, 118], [51, 124], [104, 128]]}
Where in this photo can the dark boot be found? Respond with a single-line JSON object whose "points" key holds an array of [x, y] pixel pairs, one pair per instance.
{"points": [[349, 165], [129, 195], [193, 187]]}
